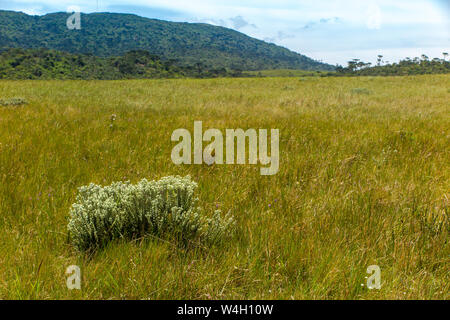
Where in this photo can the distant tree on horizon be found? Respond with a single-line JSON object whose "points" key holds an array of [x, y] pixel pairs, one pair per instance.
{"points": [[422, 65], [380, 57]]}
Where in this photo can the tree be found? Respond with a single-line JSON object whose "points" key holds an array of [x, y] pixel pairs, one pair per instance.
{"points": [[352, 65], [445, 54], [356, 67], [380, 57]]}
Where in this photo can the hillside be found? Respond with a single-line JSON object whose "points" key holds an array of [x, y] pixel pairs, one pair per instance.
{"points": [[19, 64], [113, 34]]}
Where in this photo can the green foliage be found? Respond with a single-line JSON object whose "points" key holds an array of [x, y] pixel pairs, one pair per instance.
{"points": [[405, 67], [159, 208], [138, 64], [113, 34]]}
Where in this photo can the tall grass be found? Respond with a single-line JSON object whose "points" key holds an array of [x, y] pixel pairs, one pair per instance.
{"points": [[364, 179]]}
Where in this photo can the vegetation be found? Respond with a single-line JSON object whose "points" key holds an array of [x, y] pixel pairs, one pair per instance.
{"points": [[160, 208], [407, 66], [363, 180], [356, 67], [114, 34], [50, 64], [12, 102], [140, 64]]}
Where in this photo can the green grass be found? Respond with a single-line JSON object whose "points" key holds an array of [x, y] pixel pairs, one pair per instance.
{"points": [[364, 179]]}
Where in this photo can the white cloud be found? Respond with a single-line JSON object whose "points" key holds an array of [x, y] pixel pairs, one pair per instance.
{"points": [[374, 17], [32, 11]]}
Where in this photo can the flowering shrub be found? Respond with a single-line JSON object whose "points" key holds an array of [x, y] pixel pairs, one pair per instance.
{"points": [[12, 102], [161, 208]]}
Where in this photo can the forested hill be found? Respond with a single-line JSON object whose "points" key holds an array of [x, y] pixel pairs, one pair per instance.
{"points": [[114, 34], [18, 64]]}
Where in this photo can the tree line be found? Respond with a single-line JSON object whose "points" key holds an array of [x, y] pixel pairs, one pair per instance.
{"points": [[407, 66], [136, 64]]}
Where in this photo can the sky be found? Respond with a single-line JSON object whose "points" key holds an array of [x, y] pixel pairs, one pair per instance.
{"points": [[332, 31]]}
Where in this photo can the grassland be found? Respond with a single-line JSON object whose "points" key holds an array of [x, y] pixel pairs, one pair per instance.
{"points": [[364, 179]]}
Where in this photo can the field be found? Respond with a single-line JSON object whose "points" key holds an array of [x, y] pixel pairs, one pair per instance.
{"points": [[364, 180]]}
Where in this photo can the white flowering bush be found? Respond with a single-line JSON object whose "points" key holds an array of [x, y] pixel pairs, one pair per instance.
{"points": [[12, 102], [123, 210]]}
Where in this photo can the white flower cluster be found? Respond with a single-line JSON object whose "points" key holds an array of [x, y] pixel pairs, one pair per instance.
{"points": [[161, 208], [12, 102]]}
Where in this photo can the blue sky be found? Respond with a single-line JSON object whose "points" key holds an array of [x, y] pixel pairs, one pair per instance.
{"points": [[334, 31]]}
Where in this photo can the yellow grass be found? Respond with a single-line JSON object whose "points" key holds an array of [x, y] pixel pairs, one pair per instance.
{"points": [[364, 179]]}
